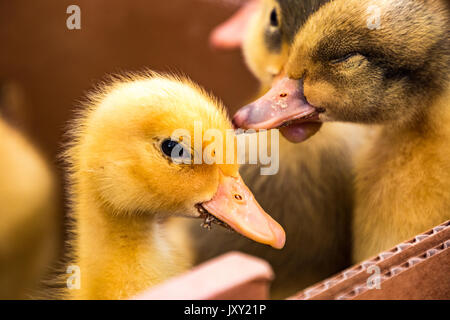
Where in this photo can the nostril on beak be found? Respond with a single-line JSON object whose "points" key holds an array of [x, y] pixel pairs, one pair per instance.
{"points": [[238, 197], [283, 95]]}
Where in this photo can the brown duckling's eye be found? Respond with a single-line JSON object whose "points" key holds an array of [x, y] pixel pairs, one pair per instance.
{"points": [[274, 18], [344, 58], [174, 150]]}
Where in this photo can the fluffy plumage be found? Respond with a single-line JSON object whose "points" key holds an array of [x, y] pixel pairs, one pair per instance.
{"points": [[28, 221], [312, 195], [123, 189], [395, 76], [271, 32]]}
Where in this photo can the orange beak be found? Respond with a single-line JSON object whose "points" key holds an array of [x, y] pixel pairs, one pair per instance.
{"points": [[284, 106], [235, 205]]}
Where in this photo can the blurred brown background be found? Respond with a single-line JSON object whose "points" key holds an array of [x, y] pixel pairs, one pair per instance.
{"points": [[53, 66]]}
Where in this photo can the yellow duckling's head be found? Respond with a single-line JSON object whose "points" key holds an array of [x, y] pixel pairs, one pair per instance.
{"points": [[266, 41], [144, 147], [269, 30]]}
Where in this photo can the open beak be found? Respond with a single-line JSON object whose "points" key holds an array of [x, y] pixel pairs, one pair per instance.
{"points": [[230, 34], [235, 205], [284, 106]]}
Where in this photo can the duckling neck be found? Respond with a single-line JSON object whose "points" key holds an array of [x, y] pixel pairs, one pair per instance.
{"points": [[430, 124], [401, 182], [119, 255]]}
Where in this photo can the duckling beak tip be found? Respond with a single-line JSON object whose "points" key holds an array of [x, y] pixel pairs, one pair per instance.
{"points": [[235, 205], [281, 106]]}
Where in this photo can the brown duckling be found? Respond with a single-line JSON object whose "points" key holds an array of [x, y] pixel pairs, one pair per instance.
{"points": [[392, 71]]}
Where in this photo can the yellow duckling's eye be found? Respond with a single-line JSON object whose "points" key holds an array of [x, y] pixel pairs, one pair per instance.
{"points": [[175, 151], [274, 18]]}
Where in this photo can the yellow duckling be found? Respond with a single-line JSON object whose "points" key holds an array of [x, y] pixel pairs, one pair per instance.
{"points": [[384, 63], [28, 213], [131, 169]]}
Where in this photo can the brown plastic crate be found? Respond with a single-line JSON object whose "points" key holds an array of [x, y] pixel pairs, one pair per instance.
{"points": [[415, 269]]}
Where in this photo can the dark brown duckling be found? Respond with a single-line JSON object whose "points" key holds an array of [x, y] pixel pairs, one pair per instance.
{"points": [[395, 75]]}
